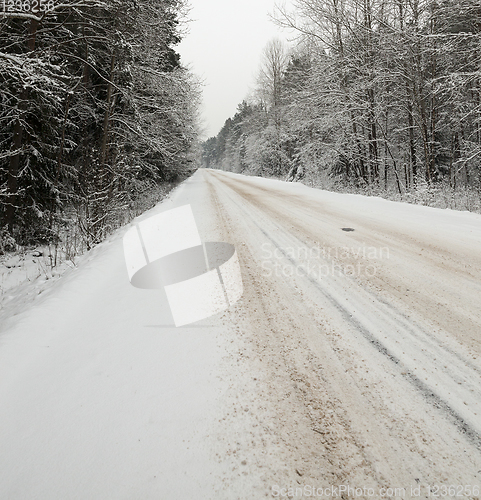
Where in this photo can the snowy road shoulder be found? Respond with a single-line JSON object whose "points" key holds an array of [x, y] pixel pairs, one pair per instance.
{"points": [[102, 397]]}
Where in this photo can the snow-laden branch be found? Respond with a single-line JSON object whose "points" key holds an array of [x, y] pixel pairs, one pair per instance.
{"points": [[21, 15], [9, 154], [13, 59], [85, 3]]}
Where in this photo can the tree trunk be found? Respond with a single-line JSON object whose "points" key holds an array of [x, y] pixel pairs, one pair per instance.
{"points": [[105, 135], [12, 181], [412, 145]]}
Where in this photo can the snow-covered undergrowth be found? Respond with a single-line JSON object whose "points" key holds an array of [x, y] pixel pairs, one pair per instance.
{"points": [[28, 271], [439, 195], [25, 274], [443, 197]]}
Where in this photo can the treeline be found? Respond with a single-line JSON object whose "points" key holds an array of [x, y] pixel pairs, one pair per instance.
{"points": [[383, 93], [96, 114]]}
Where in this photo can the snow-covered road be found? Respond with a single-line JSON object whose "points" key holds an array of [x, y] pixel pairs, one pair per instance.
{"points": [[352, 359]]}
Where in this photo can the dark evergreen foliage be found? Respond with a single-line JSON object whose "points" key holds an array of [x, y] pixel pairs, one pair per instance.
{"points": [[95, 110]]}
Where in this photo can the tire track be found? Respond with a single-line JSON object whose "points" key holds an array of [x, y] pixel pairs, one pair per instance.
{"points": [[271, 221]]}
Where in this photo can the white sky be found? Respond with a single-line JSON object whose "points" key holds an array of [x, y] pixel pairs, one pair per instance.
{"points": [[224, 49]]}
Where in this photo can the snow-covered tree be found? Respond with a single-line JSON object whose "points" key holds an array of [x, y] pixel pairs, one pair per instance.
{"points": [[94, 109]]}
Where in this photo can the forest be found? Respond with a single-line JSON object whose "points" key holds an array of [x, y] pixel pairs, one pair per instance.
{"points": [[376, 96], [98, 118]]}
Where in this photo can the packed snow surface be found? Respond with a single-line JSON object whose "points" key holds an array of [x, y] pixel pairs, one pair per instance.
{"points": [[352, 359]]}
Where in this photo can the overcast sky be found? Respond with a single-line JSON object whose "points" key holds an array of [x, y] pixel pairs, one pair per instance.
{"points": [[224, 48]]}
